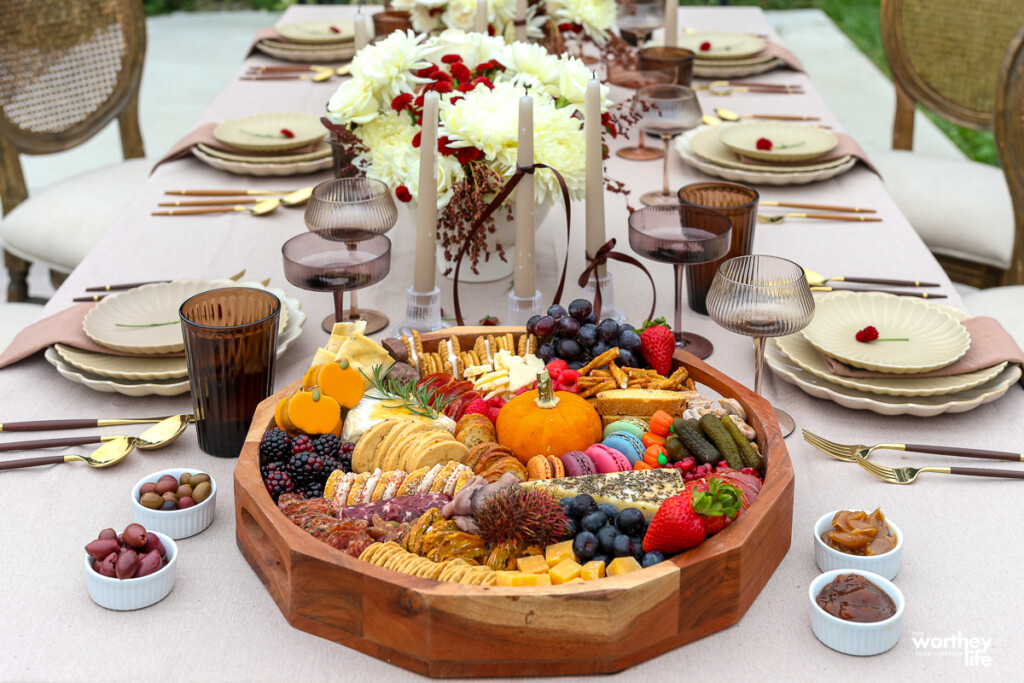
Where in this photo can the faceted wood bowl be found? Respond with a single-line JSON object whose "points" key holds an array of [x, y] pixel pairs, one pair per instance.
{"points": [[451, 630]]}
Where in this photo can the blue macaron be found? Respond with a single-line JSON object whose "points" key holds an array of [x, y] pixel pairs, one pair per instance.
{"points": [[633, 426], [627, 444]]}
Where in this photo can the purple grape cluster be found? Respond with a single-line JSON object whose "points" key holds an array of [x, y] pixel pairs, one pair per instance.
{"points": [[575, 336]]}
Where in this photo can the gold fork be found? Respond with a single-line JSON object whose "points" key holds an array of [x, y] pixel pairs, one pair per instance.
{"points": [[907, 475], [849, 453]]}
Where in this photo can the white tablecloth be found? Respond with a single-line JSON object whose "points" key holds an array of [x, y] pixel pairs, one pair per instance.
{"points": [[961, 551]]}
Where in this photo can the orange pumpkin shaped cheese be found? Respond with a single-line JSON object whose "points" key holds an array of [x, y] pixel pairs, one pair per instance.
{"points": [[313, 412], [544, 422], [339, 380]]}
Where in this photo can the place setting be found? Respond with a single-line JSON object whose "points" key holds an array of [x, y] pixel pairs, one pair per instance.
{"points": [[897, 355], [269, 144], [311, 41], [722, 54]]}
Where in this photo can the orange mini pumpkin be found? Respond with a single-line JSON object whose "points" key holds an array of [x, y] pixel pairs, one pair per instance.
{"points": [[545, 422]]}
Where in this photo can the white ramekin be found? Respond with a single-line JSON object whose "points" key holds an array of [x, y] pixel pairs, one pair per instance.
{"points": [[850, 637], [886, 565], [175, 523], [129, 594]]}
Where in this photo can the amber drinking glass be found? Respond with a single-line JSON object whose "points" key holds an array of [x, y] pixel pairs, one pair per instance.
{"points": [[336, 260], [680, 235], [678, 60], [362, 203], [230, 350], [739, 203]]}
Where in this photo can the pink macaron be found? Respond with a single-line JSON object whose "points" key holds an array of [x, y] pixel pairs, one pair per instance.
{"points": [[577, 463], [608, 460]]}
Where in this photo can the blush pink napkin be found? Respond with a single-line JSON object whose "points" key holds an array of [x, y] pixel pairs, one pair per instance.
{"points": [[783, 55], [269, 33], [204, 134], [991, 345], [847, 146], [65, 328]]}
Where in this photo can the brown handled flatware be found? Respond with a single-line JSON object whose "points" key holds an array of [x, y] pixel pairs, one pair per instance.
{"points": [[259, 209], [817, 279], [823, 216], [285, 69], [919, 295], [820, 207], [728, 115], [48, 425], [106, 455], [850, 452], [908, 475], [321, 76], [212, 202], [225, 193], [162, 433], [132, 285]]}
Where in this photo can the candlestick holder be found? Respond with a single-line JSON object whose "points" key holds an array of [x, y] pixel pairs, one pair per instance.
{"points": [[608, 307], [422, 312], [522, 308]]}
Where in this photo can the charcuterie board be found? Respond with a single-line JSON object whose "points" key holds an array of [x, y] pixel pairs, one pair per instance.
{"points": [[454, 630]]}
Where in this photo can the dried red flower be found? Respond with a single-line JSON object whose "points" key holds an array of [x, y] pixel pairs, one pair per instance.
{"points": [[424, 72], [402, 102], [461, 72], [569, 27], [705, 46], [467, 154], [335, 29], [442, 87], [441, 76], [443, 148], [451, 59], [764, 144], [483, 79], [465, 87], [287, 133], [416, 139], [868, 334], [403, 194]]}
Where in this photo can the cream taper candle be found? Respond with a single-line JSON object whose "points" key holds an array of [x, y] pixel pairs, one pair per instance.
{"points": [[671, 19], [426, 207], [525, 267], [595, 169], [480, 26], [521, 28], [360, 31]]}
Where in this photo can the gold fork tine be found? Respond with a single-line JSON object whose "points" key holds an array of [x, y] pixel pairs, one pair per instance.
{"points": [[875, 470], [837, 451]]}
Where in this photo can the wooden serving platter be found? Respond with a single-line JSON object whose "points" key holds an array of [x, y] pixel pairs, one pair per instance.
{"points": [[451, 630]]}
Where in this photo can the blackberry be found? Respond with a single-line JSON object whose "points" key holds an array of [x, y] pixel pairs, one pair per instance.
{"points": [[345, 456], [326, 445], [278, 482], [275, 445], [332, 463], [307, 468], [302, 444], [272, 466], [314, 490]]}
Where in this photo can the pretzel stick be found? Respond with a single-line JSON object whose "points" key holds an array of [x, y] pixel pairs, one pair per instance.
{"points": [[605, 358], [596, 389], [618, 375]]}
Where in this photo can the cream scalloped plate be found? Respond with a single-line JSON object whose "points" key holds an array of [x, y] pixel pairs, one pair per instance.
{"points": [[807, 357], [325, 53], [723, 45], [936, 337], [108, 324], [277, 170], [324, 150], [706, 144], [123, 367], [319, 31], [791, 141], [174, 386], [920, 406], [711, 70], [262, 132], [682, 147]]}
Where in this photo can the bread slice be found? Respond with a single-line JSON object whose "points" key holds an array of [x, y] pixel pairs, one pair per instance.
{"points": [[642, 402], [645, 490]]}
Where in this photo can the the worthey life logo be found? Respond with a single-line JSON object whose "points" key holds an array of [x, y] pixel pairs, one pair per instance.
{"points": [[973, 651]]}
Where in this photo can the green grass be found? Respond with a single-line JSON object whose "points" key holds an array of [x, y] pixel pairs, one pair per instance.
{"points": [[858, 19]]}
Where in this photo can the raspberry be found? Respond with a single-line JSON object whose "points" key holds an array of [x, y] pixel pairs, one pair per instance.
{"points": [[275, 445], [278, 482], [477, 406], [301, 444]]}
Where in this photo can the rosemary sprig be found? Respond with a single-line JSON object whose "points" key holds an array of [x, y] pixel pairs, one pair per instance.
{"points": [[423, 401]]}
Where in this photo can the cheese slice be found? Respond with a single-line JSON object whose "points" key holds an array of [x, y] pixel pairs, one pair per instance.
{"points": [[645, 490]]}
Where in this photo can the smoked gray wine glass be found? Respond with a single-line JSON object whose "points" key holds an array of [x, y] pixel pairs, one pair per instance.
{"points": [[667, 111], [761, 296], [362, 203]]}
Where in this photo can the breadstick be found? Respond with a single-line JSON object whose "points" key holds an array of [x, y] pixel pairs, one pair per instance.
{"points": [[596, 389]]}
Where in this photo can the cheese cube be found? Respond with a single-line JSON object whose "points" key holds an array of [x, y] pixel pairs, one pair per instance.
{"points": [[623, 565], [592, 570], [532, 564], [558, 553], [517, 579], [576, 580], [564, 571]]}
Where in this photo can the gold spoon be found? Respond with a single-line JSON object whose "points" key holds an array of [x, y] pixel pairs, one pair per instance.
{"points": [[343, 70], [106, 455], [823, 216], [710, 120], [729, 115], [259, 209], [157, 436], [299, 197]]}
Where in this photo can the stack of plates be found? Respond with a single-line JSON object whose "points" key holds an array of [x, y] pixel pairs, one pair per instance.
{"points": [[724, 151], [937, 339], [312, 42], [257, 147], [144, 373], [727, 55]]}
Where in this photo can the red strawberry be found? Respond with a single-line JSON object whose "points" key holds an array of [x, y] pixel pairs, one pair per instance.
{"points": [[675, 527], [477, 406], [657, 344], [717, 503]]}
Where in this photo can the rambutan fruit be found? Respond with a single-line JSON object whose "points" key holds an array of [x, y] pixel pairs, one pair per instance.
{"points": [[530, 516]]}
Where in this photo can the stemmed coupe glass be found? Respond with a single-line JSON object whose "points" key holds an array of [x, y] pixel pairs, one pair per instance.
{"points": [[362, 203], [761, 296], [667, 111], [634, 80], [641, 18], [681, 234]]}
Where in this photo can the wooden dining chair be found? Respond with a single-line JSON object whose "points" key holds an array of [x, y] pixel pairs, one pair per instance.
{"points": [[945, 55], [67, 69], [1006, 304]]}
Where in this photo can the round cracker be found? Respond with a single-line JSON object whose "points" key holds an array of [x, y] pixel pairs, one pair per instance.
{"points": [[371, 550], [362, 454], [393, 457]]}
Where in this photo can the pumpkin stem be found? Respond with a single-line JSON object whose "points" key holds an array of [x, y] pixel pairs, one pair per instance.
{"points": [[343, 364], [316, 394], [545, 394]]}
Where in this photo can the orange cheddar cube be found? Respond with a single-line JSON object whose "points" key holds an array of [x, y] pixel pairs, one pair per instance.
{"points": [[623, 565], [592, 570], [519, 579], [532, 564], [558, 553], [564, 572]]}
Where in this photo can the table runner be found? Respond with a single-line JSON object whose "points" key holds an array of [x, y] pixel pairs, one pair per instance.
{"points": [[957, 564]]}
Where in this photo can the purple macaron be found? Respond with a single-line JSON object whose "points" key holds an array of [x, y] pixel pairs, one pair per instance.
{"points": [[578, 463]]}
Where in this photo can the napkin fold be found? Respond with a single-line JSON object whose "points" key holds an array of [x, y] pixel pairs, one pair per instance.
{"points": [[268, 33], [204, 134], [65, 328], [783, 55], [991, 345], [847, 146]]}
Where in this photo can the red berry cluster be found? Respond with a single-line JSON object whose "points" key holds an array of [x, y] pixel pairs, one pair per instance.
{"points": [[868, 334], [764, 144], [489, 408], [562, 378]]}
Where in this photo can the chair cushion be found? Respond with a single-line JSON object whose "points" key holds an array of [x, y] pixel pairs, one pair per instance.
{"points": [[959, 208], [1005, 304], [14, 317], [60, 225]]}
